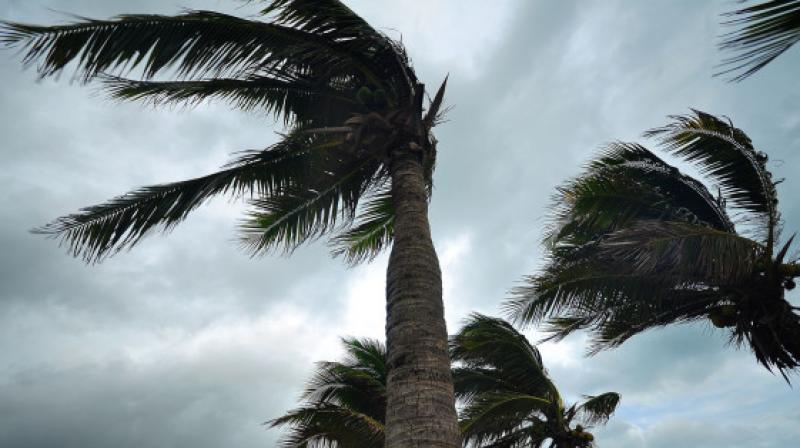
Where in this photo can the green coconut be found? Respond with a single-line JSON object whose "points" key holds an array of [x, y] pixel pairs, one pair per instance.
{"points": [[723, 316], [365, 96]]}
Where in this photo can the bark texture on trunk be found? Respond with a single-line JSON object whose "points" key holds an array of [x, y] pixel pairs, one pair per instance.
{"points": [[420, 408]]}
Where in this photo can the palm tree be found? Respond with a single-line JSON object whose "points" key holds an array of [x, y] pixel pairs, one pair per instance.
{"points": [[636, 244], [355, 163], [762, 32], [509, 399], [345, 402]]}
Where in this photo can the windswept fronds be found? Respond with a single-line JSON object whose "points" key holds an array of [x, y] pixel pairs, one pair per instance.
{"points": [[635, 244], [344, 402], [762, 32]]}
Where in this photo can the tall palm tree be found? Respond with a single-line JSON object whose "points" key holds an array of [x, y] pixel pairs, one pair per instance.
{"points": [[509, 399], [762, 32], [345, 402], [636, 244], [355, 163]]}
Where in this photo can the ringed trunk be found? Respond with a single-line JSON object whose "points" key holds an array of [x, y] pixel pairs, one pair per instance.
{"points": [[420, 409]]}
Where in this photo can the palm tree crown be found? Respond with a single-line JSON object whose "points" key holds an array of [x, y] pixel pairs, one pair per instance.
{"points": [[509, 399], [347, 93], [355, 163], [636, 244], [345, 402], [762, 32]]}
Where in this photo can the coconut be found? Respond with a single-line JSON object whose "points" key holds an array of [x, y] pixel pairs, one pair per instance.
{"points": [[365, 96]]}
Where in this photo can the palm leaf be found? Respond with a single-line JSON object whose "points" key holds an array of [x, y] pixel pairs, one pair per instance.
{"points": [[293, 100], [762, 32], [470, 382], [372, 231], [296, 214], [334, 19], [345, 402], [650, 247], [325, 425], [599, 408], [493, 415], [625, 183], [101, 230], [588, 282], [493, 343], [611, 324], [196, 44], [726, 155]]}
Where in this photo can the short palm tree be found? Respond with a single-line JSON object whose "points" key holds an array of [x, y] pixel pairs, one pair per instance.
{"points": [[355, 163], [636, 244], [763, 32], [509, 399], [344, 403]]}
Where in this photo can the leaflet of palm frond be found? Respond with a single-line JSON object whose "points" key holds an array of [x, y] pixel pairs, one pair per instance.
{"points": [[762, 33], [487, 342], [297, 101], [586, 281], [347, 385], [681, 250], [433, 111], [297, 213], [371, 232], [326, 425], [367, 354], [611, 197], [633, 161], [195, 44], [531, 435], [493, 415], [726, 155], [101, 230], [616, 323], [471, 381], [779, 257], [599, 408], [772, 331], [335, 20]]}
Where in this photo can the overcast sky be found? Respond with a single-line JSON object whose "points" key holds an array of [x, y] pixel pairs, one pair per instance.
{"points": [[186, 341]]}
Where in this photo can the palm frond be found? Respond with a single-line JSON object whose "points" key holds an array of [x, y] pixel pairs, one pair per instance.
{"points": [[493, 343], [493, 415], [371, 232], [762, 32], [771, 329], [625, 183], [296, 214], [651, 247], [469, 382], [333, 19], [533, 434], [725, 154], [294, 100], [432, 115], [101, 230], [323, 425], [598, 409], [357, 383], [585, 282], [344, 402], [611, 324], [196, 43]]}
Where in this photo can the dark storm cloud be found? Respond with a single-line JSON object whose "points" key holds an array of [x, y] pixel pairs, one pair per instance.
{"points": [[185, 341]]}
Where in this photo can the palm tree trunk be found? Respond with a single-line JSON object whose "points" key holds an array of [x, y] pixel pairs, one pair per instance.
{"points": [[420, 404]]}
